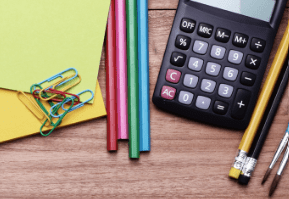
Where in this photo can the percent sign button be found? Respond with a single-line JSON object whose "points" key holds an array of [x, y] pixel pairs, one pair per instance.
{"points": [[183, 42]]}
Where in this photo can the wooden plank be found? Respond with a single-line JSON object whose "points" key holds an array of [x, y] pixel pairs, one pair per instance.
{"points": [[188, 159]]}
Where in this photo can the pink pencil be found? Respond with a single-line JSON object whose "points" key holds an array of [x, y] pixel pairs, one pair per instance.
{"points": [[121, 68]]}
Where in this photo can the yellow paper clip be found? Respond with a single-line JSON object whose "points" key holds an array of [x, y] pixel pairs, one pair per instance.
{"points": [[56, 84], [36, 107]]}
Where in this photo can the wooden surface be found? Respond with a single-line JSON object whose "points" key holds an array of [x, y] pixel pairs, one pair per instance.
{"points": [[188, 159]]}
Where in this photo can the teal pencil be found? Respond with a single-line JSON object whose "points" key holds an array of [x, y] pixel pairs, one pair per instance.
{"points": [[132, 67]]}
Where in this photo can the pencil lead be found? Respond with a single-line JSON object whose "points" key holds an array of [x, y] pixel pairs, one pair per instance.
{"points": [[274, 184], [266, 175]]}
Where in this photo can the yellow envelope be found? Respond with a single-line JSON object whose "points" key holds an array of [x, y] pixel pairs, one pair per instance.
{"points": [[17, 121], [40, 38]]}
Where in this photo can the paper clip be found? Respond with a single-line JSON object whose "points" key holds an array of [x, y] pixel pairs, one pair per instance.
{"points": [[61, 75], [57, 84], [73, 108], [35, 105], [60, 118]]}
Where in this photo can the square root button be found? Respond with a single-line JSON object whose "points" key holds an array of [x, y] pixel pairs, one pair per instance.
{"points": [[203, 102]]}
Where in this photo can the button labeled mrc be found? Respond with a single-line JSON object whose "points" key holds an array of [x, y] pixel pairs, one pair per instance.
{"points": [[173, 76], [205, 30], [168, 92]]}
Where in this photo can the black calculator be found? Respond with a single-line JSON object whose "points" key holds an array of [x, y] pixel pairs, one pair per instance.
{"points": [[215, 59]]}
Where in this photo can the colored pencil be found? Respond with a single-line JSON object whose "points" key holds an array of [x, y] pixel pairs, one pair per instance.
{"points": [[143, 56], [132, 67], [111, 81], [121, 68]]}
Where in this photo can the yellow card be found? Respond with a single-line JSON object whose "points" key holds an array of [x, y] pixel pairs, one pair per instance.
{"points": [[17, 121], [39, 38]]}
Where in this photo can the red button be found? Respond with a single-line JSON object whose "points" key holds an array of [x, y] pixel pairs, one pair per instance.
{"points": [[173, 76], [168, 92]]}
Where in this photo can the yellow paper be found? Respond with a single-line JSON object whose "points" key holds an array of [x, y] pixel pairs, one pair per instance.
{"points": [[17, 121], [39, 38]]}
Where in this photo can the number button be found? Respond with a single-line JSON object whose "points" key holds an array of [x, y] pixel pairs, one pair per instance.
{"points": [[253, 62], [178, 59], [200, 47], [188, 25], [235, 57], [223, 35], [225, 90], [186, 97], [205, 30], [173, 76], [240, 40], [196, 64], [191, 81], [230, 74], [183, 42], [220, 107], [218, 52], [248, 79], [240, 104], [213, 69], [258, 45], [208, 86], [203, 102], [168, 92]]}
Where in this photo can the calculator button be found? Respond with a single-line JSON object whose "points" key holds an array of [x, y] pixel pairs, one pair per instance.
{"points": [[168, 92], [240, 40], [200, 47], [203, 102], [178, 59], [258, 45], [223, 35], [220, 107], [248, 79], [218, 52], [225, 90], [208, 86], [213, 69], [205, 30], [253, 62], [188, 25], [240, 104], [196, 64], [235, 57], [173, 76], [183, 42], [230, 74], [191, 81], [186, 97]]}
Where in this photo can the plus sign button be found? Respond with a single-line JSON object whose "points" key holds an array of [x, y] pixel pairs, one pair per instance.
{"points": [[240, 104]]}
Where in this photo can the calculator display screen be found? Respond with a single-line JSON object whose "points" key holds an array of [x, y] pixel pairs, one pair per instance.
{"points": [[258, 9]]}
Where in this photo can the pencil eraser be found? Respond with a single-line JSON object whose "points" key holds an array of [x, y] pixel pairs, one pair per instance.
{"points": [[234, 173], [243, 180]]}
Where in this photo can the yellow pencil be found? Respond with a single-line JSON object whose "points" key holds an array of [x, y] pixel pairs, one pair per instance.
{"points": [[261, 105]]}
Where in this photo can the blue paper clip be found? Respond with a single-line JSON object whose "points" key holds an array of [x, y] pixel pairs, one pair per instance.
{"points": [[61, 75], [73, 108]]}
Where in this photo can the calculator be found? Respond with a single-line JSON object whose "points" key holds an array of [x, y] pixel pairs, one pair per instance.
{"points": [[216, 58]]}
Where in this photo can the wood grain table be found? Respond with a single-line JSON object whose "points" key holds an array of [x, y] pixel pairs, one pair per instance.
{"points": [[188, 159]]}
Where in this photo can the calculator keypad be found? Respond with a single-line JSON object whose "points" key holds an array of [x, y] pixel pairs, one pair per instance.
{"points": [[200, 47], [195, 64], [235, 57], [178, 59], [218, 52], [183, 42], [206, 76]]}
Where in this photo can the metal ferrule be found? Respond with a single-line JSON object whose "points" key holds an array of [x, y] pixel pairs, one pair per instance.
{"points": [[249, 166], [284, 162], [281, 147], [240, 160]]}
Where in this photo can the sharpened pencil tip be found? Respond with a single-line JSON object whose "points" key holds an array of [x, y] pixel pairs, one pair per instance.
{"points": [[266, 175], [274, 184]]}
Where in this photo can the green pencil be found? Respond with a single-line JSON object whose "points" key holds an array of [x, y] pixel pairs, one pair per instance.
{"points": [[132, 69]]}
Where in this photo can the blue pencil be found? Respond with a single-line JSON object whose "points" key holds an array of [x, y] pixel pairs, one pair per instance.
{"points": [[143, 62]]}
